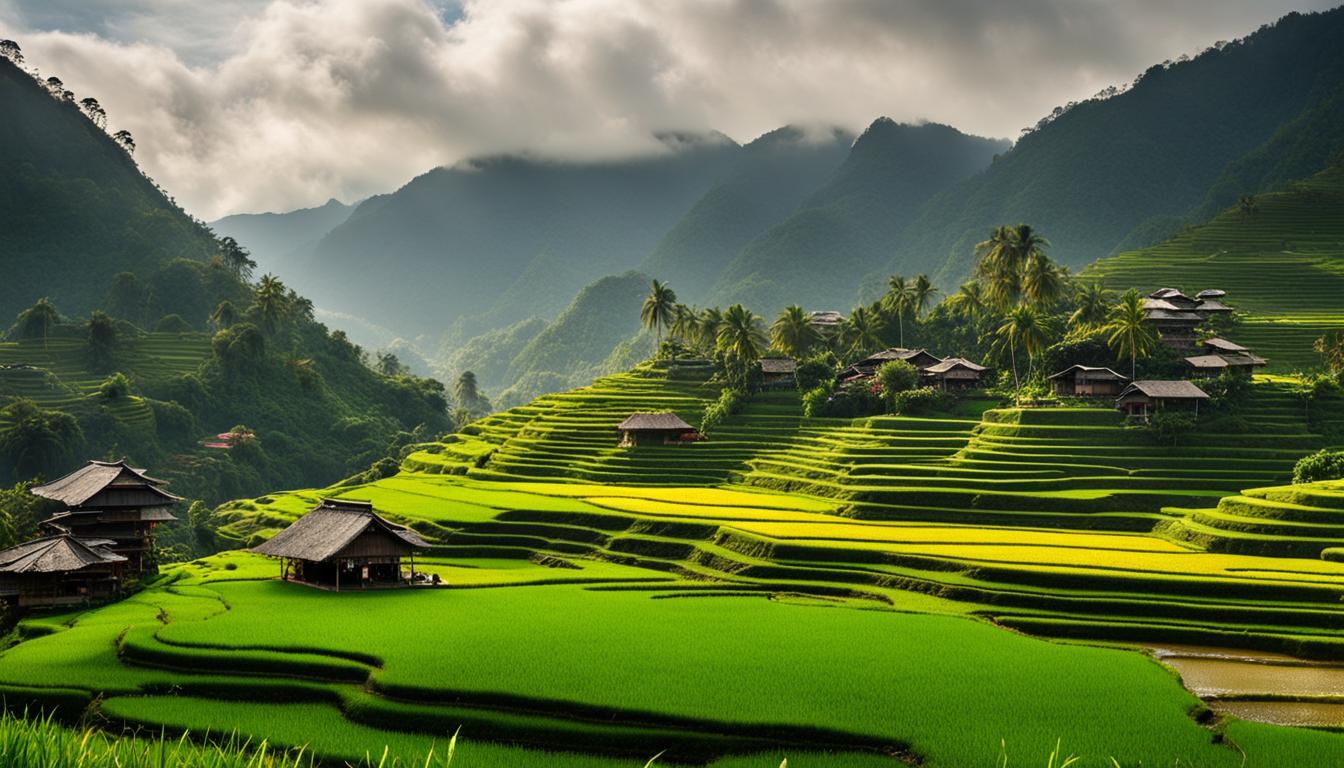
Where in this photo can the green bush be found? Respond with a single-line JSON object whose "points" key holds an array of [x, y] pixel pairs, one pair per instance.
{"points": [[115, 387], [916, 401], [812, 373], [1167, 427], [729, 402], [814, 400], [1321, 465], [173, 324], [895, 378]]}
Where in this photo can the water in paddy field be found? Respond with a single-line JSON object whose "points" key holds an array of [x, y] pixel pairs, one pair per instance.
{"points": [[1240, 683]]}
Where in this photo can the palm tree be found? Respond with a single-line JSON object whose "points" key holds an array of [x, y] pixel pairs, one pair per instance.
{"points": [[1093, 302], [1129, 330], [792, 334], [1027, 328], [707, 334], [859, 333], [969, 302], [921, 294], [1042, 283], [658, 309], [224, 316], [995, 268], [685, 323], [272, 302], [740, 337], [899, 299]]}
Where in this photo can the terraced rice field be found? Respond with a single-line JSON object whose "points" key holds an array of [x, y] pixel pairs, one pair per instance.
{"points": [[1282, 265]]}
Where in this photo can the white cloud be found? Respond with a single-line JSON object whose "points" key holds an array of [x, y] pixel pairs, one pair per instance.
{"points": [[255, 105]]}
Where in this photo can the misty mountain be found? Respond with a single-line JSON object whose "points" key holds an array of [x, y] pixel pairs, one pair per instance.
{"points": [[772, 176], [1187, 138], [453, 241], [74, 208], [848, 227], [277, 239]]}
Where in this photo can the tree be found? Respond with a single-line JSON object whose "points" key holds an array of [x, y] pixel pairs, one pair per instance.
{"points": [[1043, 283], [896, 377], [1004, 259], [707, 331], [37, 441], [899, 300], [1330, 347], [1092, 302], [969, 302], [11, 50], [97, 115], [224, 316], [921, 294], [1247, 204], [792, 334], [236, 258], [127, 142], [1027, 328], [54, 87], [37, 321], [271, 303], [102, 339], [390, 365], [1129, 332], [740, 341], [656, 314], [859, 332], [128, 298], [468, 397], [685, 323]]}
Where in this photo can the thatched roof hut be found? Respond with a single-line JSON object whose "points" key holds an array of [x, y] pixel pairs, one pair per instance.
{"points": [[654, 428], [343, 542]]}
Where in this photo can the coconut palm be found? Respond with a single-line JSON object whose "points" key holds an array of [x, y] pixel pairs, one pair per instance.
{"points": [[707, 332], [969, 302], [792, 334], [1128, 328], [1043, 284], [658, 309], [859, 332], [685, 323], [272, 302], [921, 294], [996, 269], [1027, 328], [740, 338], [899, 300], [1092, 302]]}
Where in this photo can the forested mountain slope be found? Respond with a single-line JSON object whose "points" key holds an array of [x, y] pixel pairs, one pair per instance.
{"points": [[1152, 154], [847, 228], [75, 209], [772, 176], [452, 241], [276, 239]]}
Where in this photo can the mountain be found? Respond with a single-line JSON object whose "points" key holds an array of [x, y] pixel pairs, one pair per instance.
{"points": [[453, 241], [772, 176], [848, 227], [76, 209], [275, 239], [1179, 143]]}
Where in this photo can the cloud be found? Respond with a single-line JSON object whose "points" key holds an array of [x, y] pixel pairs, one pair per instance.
{"points": [[276, 104]]}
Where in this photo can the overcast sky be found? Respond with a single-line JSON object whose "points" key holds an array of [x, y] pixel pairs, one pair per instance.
{"points": [[251, 105]]}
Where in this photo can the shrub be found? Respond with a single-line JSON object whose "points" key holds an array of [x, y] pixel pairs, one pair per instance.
{"points": [[1168, 426], [115, 387], [1321, 465], [894, 378], [812, 373], [1228, 390], [729, 403], [172, 324], [916, 401], [858, 398], [814, 400]]}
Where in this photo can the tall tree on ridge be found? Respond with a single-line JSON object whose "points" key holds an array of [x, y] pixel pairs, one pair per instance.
{"points": [[792, 333], [656, 313], [740, 337], [37, 320], [1129, 330], [272, 302], [921, 294], [1028, 328], [899, 299]]}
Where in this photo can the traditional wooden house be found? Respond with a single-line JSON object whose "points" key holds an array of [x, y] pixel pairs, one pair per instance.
{"points": [[1143, 398], [655, 429], [1087, 381], [344, 544], [921, 359], [953, 373], [1243, 364], [1177, 317], [825, 321], [60, 570], [1217, 346], [111, 500], [778, 372]]}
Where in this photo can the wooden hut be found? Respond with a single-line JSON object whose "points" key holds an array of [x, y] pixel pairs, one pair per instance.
{"points": [[1087, 381], [953, 373], [114, 501], [1214, 365], [60, 570], [778, 372], [1177, 317], [921, 359], [1143, 398], [655, 429], [344, 544]]}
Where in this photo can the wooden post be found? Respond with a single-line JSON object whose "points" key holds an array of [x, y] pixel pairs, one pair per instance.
{"points": [[338, 575], [412, 567]]}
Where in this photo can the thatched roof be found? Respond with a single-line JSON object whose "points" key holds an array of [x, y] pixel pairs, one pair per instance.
{"points": [[779, 365], [1215, 362], [1224, 345], [330, 528], [1096, 371], [1165, 390], [1211, 293], [92, 478], [955, 362], [1167, 314], [653, 421], [57, 554]]}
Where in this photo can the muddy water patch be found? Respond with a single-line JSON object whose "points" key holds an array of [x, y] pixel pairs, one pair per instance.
{"points": [[1253, 685], [1314, 714]]}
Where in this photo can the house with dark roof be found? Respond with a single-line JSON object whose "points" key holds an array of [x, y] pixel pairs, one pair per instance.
{"points": [[953, 373], [1141, 399], [1243, 364], [1087, 381], [344, 544], [114, 501], [1177, 317], [921, 359], [778, 372], [655, 429], [825, 321], [60, 570]]}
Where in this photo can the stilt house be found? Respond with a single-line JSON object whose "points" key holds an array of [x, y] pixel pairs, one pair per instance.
{"points": [[60, 570], [344, 544]]}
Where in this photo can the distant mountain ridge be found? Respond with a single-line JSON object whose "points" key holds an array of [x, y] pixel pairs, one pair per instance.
{"points": [[276, 239]]}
